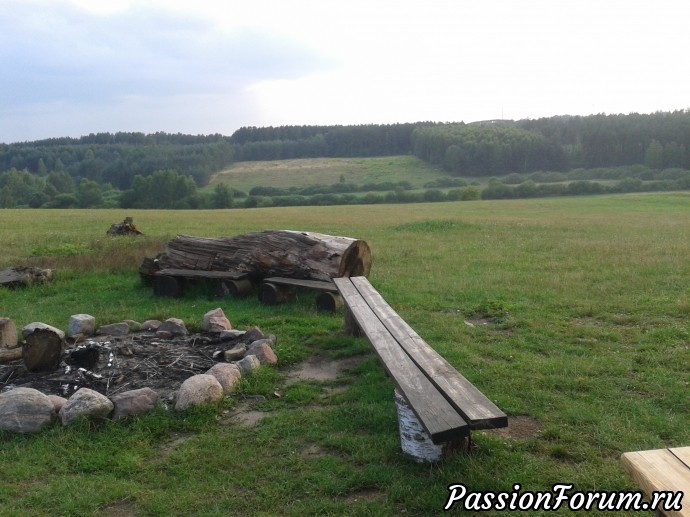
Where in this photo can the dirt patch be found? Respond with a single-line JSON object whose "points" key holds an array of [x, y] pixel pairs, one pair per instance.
{"points": [[322, 369], [519, 428], [119, 509], [363, 496]]}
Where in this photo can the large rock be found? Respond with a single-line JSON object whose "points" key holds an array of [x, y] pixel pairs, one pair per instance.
{"points": [[133, 403], [86, 403], [25, 410], [197, 390], [228, 375], [263, 351], [81, 325], [150, 325], [235, 353], [8, 333], [215, 321]]}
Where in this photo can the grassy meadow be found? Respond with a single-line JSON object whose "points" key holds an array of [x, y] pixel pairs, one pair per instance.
{"points": [[327, 171], [572, 314]]}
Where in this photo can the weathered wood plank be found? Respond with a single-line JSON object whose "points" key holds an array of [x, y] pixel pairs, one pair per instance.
{"points": [[197, 273], [439, 418], [475, 407], [316, 285], [660, 470]]}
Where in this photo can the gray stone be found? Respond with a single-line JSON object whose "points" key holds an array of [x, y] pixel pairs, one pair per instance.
{"points": [[249, 364], [133, 403], [114, 329], [58, 402], [228, 375], [174, 326], [252, 335], [263, 351], [25, 410], [31, 327], [197, 390], [133, 325], [150, 325], [235, 353], [215, 321], [81, 324], [229, 335], [86, 403]]}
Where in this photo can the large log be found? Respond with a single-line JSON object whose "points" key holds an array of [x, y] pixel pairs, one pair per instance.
{"points": [[7, 355], [282, 253], [8, 333]]}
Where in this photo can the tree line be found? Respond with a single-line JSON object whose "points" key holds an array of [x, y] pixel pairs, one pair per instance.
{"points": [[163, 170]]}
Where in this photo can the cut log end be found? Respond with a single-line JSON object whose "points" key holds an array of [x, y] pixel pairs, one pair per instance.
{"points": [[328, 302], [356, 260], [272, 294]]}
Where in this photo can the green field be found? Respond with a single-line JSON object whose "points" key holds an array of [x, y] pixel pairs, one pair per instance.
{"points": [[327, 171], [580, 331]]}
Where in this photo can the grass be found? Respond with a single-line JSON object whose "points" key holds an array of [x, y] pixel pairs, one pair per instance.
{"points": [[327, 171], [580, 311]]}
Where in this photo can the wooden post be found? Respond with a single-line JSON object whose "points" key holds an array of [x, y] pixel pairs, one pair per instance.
{"points": [[169, 286], [8, 333], [235, 288], [351, 325], [416, 442]]}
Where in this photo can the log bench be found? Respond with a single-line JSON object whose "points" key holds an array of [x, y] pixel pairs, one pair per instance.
{"points": [[172, 282], [275, 290], [437, 406]]}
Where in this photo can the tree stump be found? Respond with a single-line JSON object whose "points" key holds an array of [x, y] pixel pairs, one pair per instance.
{"points": [[8, 333], [272, 294], [43, 350], [328, 302]]}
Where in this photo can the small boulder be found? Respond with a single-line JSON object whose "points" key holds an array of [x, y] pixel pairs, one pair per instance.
{"points": [[231, 335], [228, 375], [215, 321], [150, 325], [25, 410], [86, 403], [263, 351], [114, 329], [235, 353], [197, 390], [248, 364], [133, 403], [58, 402], [173, 326], [252, 335], [81, 325]]}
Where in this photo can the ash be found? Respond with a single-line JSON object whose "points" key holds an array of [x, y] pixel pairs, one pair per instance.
{"points": [[111, 364]]}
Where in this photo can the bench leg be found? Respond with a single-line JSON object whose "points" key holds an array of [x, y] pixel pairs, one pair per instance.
{"points": [[416, 442], [351, 326]]}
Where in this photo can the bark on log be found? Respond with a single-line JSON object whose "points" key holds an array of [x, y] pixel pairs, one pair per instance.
{"points": [[7, 355], [280, 253]]}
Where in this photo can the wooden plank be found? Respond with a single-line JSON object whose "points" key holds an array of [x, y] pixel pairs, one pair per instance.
{"points": [[200, 273], [683, 454], [473, 405], [660, 470], [317, 285], [437, 416]]}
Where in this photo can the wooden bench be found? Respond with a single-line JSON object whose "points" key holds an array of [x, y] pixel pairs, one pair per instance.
{"points": [[275, 290], [662, 470], [172, 282], [446, 405]]}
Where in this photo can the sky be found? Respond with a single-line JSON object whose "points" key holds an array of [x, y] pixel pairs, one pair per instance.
{"points": [[75, 67]]}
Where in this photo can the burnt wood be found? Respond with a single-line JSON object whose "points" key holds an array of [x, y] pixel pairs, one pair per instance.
{"points": [[409, 359]]}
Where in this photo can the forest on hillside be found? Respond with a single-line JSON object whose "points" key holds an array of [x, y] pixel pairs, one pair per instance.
{"points": [[164, 170]]}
